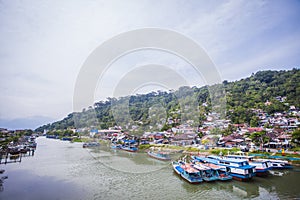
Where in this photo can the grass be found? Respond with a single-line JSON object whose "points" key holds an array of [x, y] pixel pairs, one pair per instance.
{"points": [[295, 149], [81, 140], [144, 146]]}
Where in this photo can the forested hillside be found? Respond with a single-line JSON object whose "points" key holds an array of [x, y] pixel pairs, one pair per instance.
{"points": [[162, 110]]}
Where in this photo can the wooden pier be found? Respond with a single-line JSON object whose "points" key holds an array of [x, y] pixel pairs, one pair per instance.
{"points": [[6, 157]]}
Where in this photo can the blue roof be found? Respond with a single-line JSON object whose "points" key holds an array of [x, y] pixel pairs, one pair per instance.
{"points": [[215, 159], [130, 141], [228, 159], [234, 160]]}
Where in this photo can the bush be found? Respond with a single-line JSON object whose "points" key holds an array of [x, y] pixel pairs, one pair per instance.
{"points": [[144, 146]]}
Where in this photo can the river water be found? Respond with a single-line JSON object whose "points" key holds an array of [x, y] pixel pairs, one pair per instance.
{"points": [[64, 170]]}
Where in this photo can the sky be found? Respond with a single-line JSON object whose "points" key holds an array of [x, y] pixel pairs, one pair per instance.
{"points": [[44, 44]]}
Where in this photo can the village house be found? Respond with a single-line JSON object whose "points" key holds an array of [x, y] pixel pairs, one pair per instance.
{"points": [[184, 139]]}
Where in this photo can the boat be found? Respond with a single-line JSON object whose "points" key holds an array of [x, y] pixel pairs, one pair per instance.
{"points": [[129, 148], [66, 139], [32, 145], [187, 172], [278, 164], [129, 145], [91, 144], [207, 173], [261, 167], [115, 146], [221, 172], [13, 150], [238, 169], [276, 173], [159, 155]]}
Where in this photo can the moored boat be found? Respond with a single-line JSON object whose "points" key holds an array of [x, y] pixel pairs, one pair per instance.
{"points": [[207, 173], [261, 167], [129, 145], [91, 144], [277, 164], [129, 148], [187, 172], [115, 146], [159, 155], [221, 172], [238, 169]]}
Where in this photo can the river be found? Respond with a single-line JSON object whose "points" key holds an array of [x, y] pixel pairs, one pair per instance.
{"points": [[64, 170]]}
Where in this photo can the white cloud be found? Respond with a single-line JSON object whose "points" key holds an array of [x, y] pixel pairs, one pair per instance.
{"points": [[43, 44]]}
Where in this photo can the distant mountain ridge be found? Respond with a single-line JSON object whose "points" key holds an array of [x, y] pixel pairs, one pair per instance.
{"points": [[162, 109], [24, 123]]}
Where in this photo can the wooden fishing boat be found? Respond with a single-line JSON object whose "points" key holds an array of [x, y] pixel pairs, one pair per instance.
{"points": [[129, 148], [238, 169], [207, 173], [221, 172], [261, 167], [91, 144], [159, 155], [187, 172], [278, 164]]}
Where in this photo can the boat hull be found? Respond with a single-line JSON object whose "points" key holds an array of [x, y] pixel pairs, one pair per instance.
{"points": [[129, 149], [180, 172], [262, 172], [152, 155], [225, 178], [237, 173]]}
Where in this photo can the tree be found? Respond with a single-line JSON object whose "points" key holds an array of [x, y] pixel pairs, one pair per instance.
{"points": [[296, 137], [259, 137], [254, 121]]}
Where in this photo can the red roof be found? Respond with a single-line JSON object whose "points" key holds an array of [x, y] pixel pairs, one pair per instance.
{"points": [[255, 129]]}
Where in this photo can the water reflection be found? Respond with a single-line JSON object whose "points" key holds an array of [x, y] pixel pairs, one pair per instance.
{"points": [[129, 162], [37, 187], [61, 170], [272, 187]]}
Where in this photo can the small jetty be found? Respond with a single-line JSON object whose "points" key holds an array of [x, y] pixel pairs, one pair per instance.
{"points": [[14, 152]]}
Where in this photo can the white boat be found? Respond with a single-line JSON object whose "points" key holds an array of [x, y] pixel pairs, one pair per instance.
{"points": [[262, 167], [278, 164], [238, 169]]}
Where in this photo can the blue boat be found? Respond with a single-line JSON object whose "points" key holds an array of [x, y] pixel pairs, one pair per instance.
{"points": [[187, 172], [207, 173], [159, 155], [91, 144], [238, 169], [262, 167], [66, 139], [220, 172], [129, 148], [52, 136], [115, 146]]}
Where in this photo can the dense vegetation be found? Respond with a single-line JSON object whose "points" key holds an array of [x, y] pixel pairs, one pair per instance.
{"points": [[162, 110]]}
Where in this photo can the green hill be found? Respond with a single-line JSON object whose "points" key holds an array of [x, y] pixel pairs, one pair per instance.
{"points": [[162, 110]]}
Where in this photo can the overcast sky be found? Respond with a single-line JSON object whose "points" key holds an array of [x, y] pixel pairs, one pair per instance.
{"points": [[43, 45]]}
